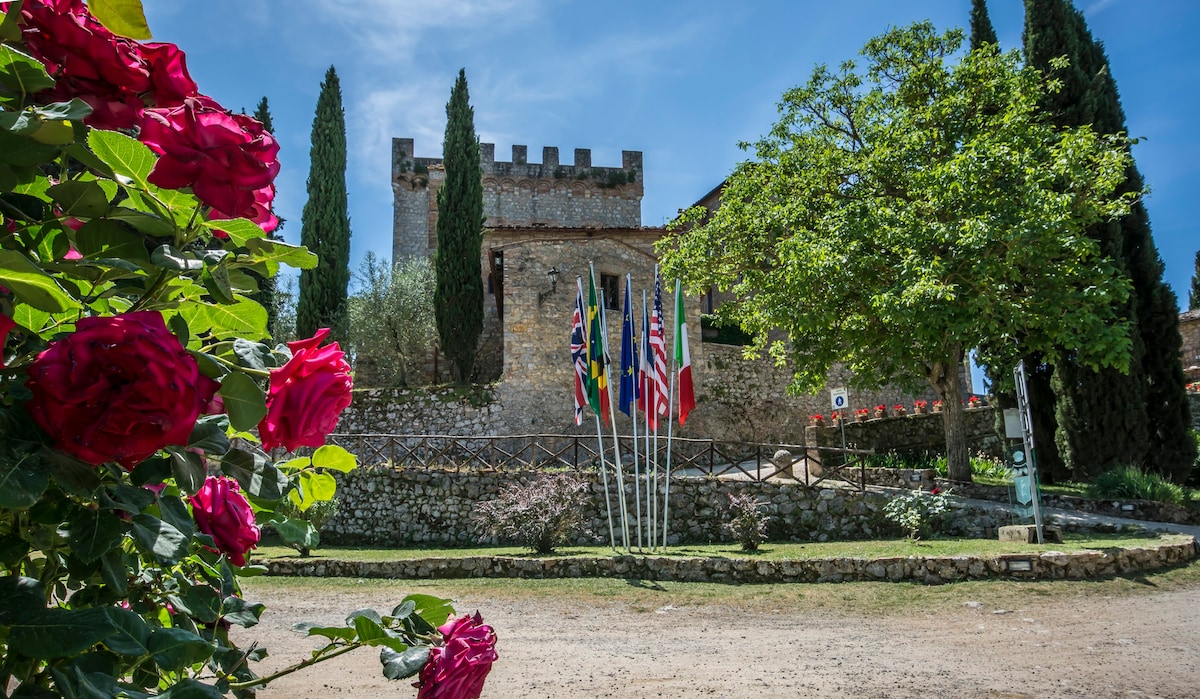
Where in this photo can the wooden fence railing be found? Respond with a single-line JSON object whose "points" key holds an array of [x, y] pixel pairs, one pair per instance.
{"points": [[694, 457]]}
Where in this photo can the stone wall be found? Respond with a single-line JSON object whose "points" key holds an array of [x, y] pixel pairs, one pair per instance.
{"points": [[1189, 352], [909, 434], [929, 570], [404, 507], [1194, 404], [420, 411]]}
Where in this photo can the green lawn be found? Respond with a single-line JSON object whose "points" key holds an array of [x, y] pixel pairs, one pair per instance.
{"points": [[768, 551]]}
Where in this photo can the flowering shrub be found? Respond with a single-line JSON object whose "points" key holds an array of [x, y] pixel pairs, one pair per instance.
{"points": [[919, 404], [135, 369], [919, 514], [540, 515], [747, 522]]}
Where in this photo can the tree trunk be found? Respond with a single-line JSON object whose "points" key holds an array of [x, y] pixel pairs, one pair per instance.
{"points": [[944, 377]]}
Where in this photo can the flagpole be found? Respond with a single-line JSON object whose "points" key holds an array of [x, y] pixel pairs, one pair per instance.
{"points": [[612, 535], [670, 427], [637, 474], [647, 363], [598, 406], [612, 415]]}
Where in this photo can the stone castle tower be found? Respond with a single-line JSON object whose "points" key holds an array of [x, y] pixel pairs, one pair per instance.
{"points": [[516, 193]]}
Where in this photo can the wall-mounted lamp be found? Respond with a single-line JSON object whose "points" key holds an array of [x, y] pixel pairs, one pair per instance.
{"points": [[543, 295]]}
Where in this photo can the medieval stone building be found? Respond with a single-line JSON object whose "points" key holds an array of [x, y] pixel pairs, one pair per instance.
{"points": [[570, 219]]}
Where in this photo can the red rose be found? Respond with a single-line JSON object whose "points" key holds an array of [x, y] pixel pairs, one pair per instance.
{"points": [[222, 512], [229, 160], [306, 395], [458, 668], [6, 326], [117, 389], [114, 75]]}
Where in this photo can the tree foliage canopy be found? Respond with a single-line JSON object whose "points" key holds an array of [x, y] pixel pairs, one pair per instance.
{"points": [[898, 215], [391, 320]]}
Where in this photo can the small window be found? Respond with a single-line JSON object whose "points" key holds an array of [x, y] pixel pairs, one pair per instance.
{"points": [[611, 286]]}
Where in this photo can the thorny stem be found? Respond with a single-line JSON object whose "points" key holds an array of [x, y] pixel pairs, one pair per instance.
{"points": [[262, 681]]}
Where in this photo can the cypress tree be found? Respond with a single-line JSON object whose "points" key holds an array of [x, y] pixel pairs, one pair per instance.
{"points": [[1106, 418], [1194, 294], [266, 285], [325, 223], [458, 297], [982, 31]]}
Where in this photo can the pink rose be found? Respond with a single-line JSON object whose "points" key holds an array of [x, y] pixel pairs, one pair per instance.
{"points": [[222, 512], [6, 326], [117, 389], [228, 160], [306, 395], [116, 76], [458, 668]]}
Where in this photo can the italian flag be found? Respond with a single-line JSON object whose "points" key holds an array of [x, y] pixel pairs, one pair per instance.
{"points": [[683, 358]]}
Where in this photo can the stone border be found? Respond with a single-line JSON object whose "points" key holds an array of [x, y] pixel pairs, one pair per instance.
{"points": [[929, 570]]}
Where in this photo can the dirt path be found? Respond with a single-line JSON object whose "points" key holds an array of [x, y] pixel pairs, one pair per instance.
{"points": [[1088, 646]]}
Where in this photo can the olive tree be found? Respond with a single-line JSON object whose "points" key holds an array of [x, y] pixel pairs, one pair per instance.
{"points": [[391, 320]]}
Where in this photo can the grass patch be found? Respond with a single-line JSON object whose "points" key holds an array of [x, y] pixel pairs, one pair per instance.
{"points": [[858, 599], [767, 551]]}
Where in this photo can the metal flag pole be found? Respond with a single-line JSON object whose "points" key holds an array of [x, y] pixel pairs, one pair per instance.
{"points": [[612, 415], [646, 408], [670, 429], [612, 536], [637, 474]]}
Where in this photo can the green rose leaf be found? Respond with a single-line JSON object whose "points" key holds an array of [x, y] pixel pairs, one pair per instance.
{"points": [[268, 250], [166, 543], [56, 111], [258, 477], [22, 481], [121, 17], [367, 627], [60, 633], [255, 355], [202, 602], [124, 154], [187, 468], [153, 471], [239, 230], [296, 532], [191, 689], [21, 150], [20, 597], [244, 400], [93, 533], [330, 632], [236, 610], [334, 457], [31, 285], [100, 238], [21, 72], [24, 207], [404, 610], [397, 666], [168, 257], [174, 512], [12, 549], [115, 571], [313, 488], [175, 648], [434, 610], [208, 435], [131, 634], [244, 318], [79, 198]]}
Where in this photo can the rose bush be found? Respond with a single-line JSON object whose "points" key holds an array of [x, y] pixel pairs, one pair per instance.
{"points": [[457, 669], [135, 368], [119, 388], [222, 512], [307, 395]]}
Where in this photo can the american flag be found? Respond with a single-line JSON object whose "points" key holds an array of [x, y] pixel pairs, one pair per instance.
{"points": [[658, 390], [579, 352]]}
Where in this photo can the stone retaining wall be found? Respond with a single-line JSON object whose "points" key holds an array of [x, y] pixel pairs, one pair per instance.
{"points": [[387, 506], [932, 570]]}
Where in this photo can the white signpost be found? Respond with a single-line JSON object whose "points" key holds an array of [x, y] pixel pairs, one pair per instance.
{"points": [[840, 400]]}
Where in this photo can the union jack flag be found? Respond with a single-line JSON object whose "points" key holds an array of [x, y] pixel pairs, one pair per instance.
{"points": [[579, 352]]}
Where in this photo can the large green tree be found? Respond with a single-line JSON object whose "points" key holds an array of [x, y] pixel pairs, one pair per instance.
{"points": [[391, 321], [458, 299], [1108, 418], [325, 223], [899, 215]]}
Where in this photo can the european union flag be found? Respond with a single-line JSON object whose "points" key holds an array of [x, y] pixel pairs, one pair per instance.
{"points": [[629, 355]]}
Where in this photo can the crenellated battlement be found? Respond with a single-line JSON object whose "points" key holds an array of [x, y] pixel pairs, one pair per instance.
{"points": [[517, 192], [406, 165]]}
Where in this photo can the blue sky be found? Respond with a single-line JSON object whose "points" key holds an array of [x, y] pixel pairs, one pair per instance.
{"points": [[683, 82]]}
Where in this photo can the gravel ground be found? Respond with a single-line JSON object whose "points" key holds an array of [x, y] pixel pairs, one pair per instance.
{"points": [[1143, 645]]}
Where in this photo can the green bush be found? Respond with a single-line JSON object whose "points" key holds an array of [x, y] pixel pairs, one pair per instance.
{"points": [[747, 523], [918, 513], [1131, 482]]}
